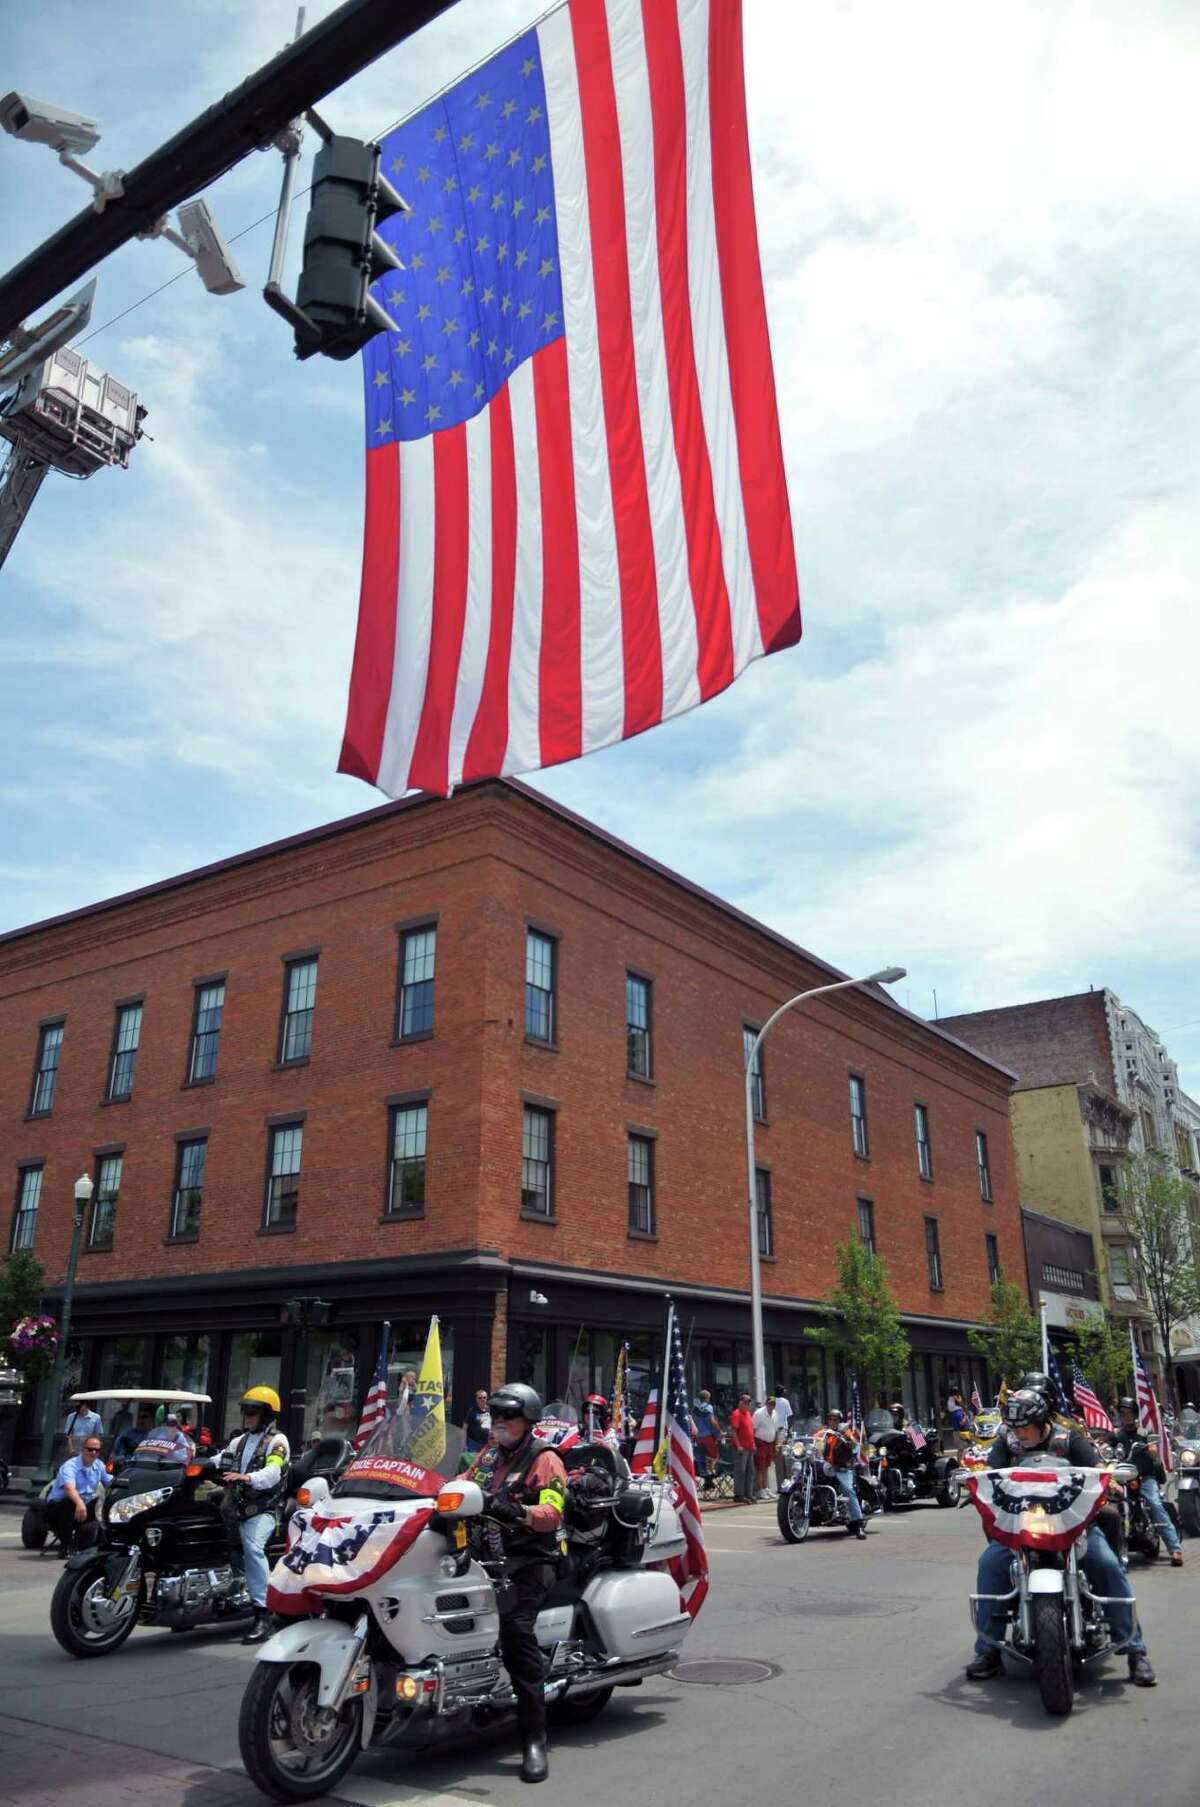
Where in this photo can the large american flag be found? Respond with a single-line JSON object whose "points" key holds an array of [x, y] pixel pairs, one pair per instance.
{"points": [[646, 1447], [691, 1569], [1149, 1417], [577, 522], [375, 1405], [1095, 1417]]}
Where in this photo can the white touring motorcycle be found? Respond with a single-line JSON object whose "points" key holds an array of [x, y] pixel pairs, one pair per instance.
{"points": [[389, 1582]]}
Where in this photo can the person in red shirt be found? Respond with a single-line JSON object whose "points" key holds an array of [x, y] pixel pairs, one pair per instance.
{"points": [[741, 1429]]}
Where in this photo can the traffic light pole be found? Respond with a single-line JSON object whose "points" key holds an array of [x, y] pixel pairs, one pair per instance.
{"points": [[248, 119]]}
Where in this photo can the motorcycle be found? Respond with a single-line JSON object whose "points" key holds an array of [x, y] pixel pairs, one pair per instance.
{"points": [[1041, 1512], [810, 1496], [163, 1554], [908, 1472], [1187, 1467], [390, 1584]]}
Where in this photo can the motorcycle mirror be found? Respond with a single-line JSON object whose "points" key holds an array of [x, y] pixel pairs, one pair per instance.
{"points": [[1125, 1472]]}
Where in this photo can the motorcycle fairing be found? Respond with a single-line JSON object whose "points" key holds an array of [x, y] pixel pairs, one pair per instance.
{"points": [[1067, 1499], [340, 1553]]}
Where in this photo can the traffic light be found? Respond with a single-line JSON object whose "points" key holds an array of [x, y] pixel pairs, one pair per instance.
{"points": [[343, 253]]}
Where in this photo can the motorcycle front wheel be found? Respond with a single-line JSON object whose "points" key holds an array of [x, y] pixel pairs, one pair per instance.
{"points": [[1052, 1655], [947, 1494], [84, 1619], [1189, 1513], [292, 1748], [794, 1522]]}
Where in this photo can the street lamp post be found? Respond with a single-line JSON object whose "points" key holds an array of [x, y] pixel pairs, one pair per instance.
{"points": [[887, 976], [43, 1472]]}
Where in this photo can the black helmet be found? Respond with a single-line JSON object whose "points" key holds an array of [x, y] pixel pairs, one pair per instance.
{"points": [[514, 1397], [1027, 1406], [1128, 1405], [1038, 1382]]}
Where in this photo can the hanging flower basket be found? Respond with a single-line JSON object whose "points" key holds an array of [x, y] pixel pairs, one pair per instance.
{"points": [[33, 1342]]}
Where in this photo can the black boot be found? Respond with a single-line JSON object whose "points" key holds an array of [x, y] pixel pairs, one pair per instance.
{"points": [[262, 1628], [859, 1530], [985, 1666], [535, 1766], [1141, 1670]]}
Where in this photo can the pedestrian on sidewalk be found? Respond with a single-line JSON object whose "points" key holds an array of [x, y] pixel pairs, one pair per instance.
{"points": [[764, 1445], [82, 1424], [741, 1429], [783, 1422], [708, 1439]]}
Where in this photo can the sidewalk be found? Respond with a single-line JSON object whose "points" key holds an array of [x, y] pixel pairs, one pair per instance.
{"points": [[45, 1766]]}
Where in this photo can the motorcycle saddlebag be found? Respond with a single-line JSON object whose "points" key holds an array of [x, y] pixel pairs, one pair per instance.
{"points": [[635, 1611]]}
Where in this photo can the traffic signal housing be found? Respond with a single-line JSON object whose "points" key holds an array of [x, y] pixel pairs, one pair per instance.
{"points": [[343, 252]]}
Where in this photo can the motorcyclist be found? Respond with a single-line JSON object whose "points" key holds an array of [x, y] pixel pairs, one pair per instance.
{"points": [[1132, 1445], [1038, 1381], [133, 1434], [597, 1428], [1030, 1433], [837, 1445], [256, 1464], [524, 1485]]}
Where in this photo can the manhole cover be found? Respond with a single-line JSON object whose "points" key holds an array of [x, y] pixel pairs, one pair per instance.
{"points": [[724, 1672], [844, 1606]]}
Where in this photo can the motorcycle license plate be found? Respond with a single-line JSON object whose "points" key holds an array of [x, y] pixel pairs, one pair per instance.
{"points": [[460, 1537]]}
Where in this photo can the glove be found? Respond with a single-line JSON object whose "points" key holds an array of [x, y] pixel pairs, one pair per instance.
{"points": [[503, 1511]]}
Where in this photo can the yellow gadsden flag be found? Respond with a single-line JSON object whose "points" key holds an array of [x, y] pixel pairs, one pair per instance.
{"points": [[427, 1438]]}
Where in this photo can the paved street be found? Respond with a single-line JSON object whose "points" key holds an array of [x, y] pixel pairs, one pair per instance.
{"points": [[869, 1699]]}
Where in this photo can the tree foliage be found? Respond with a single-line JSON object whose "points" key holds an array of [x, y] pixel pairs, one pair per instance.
{"points": [[1012, 1335], [1154, 1203], [22, 1280], [1102, 1351], [866, 1331]]}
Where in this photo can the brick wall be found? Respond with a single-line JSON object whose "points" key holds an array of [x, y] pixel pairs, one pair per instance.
{"points": [[484, 863], [1055, 1041]]}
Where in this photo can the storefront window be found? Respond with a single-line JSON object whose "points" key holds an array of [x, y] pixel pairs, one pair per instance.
{"points": [[185, 1363], [254, 1361], [532, 1344], [122, 1364], [407, 1352], [331, 1384], [800, 1372]]}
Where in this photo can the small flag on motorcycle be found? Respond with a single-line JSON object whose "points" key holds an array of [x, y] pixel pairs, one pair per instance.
{"points": [[427, 1439], [375, 1405]]}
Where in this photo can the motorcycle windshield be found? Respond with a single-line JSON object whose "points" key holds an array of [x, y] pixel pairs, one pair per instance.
{"points": [[409, 1454], [143, 1471], [878, 1421]]}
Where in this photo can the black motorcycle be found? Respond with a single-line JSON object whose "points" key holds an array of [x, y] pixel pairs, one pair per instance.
{"points": [[811, 1497], [163, 1555], [1187, 1465], [904, 1472]]}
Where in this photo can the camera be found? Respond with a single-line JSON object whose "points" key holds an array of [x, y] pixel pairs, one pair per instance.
{"points": [[40, 122], [218, 272]]}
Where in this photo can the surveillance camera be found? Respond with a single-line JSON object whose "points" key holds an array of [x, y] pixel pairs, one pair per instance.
{"points": [[537, 1298], [40, 122], [218, 272]]}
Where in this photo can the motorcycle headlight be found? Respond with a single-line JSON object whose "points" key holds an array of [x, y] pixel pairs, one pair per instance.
{"points": [[1188, 1458], [121, 1511]]}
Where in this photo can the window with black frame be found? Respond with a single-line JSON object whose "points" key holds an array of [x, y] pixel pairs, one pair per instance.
{"points": [[206, 1031], [537, 1162], [860, 1141], [924, 1145], [125, 1050], [762, 1199], [933, 1254], [406, 1179], [191, 1159], [104, 1202], [283, 1183], [992, 1246], [29, 1196], [866, 1225], [45, 1072], [418, 958], [540, 961], [299, 1003], [638, 1047], [985, 1171], [640, 1163], [753, 1059]]}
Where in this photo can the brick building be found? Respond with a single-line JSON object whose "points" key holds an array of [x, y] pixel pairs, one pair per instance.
{"points": [[475, 1056]]}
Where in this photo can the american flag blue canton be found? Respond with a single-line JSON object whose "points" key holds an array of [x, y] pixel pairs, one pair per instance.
{"points": [[678, 1403], [481, 290]]}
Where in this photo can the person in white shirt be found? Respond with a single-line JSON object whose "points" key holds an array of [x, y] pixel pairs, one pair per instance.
{"points": [[783, 1419], [764, 1445]]}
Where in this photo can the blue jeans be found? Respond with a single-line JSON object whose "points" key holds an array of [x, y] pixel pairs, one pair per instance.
{"points": [[255, 1533], [844, 1478], [1105, 1576], [1159, 1513]]}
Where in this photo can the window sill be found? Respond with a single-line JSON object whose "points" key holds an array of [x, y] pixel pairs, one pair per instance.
{"points": [[189, 1085], [285, 1066], [401, 1216], [926, 1179], [39, 1116], [642, 1235], [123, 1098], [418, 1035], [763, 1257], [537, 1217], [641, 1078], [276, 1229], [535, 1041], [936, 1289], [864, 1158], [191, 1236], [97, 1248]]}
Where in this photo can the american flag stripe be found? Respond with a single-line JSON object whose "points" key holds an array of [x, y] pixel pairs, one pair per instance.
{"points": [[605, 542], [646, 1448], [1095, 1417]]}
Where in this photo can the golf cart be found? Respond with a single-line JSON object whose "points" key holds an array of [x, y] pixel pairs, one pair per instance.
{"points": [[35, 1530]]}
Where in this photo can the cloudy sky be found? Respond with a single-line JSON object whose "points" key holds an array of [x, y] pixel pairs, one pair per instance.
{"points": [[979, 234]]}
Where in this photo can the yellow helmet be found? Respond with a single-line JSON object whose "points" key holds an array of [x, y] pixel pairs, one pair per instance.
{"points": [[262, 1396]]}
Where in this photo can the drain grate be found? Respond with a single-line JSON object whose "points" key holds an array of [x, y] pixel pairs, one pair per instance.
{"points": [[724, 1672]]}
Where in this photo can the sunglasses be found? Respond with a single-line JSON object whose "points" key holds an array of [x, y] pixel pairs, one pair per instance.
{"points": [[91, 1449], [507, 1412]]}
